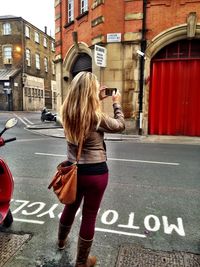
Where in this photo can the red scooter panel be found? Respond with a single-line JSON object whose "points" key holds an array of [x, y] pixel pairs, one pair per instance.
{"points": [[6, 183], [4, 207]]}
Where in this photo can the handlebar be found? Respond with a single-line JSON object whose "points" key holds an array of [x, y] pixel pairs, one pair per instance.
{"points": [[10, 140]]}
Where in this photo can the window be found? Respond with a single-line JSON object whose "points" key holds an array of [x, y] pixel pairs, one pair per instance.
{"points": [[53, 68], [7, 52], [27, 31], [52, 46], [6, 29], [46, 64], [37, 61], [45, 42], [83, 6], [70, 9], [37, 37], [28, 57]]}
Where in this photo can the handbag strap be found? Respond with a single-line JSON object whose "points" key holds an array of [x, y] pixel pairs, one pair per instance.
{"points": [[80, 145]]}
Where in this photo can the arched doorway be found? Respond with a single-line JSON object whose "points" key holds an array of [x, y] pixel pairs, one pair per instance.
{"points": [[174, 103], [82, 63]]}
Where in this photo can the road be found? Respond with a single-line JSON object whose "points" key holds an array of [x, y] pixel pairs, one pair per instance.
{"points": [[152, 198]]}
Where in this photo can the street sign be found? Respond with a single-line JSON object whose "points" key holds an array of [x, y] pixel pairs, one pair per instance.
{"points": [[100, 54], [114, 37]]}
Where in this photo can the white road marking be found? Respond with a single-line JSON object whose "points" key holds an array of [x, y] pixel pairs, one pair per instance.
{"points": [[29, 221], [118, 232], [25, 123], [115, 159], [51, 155], [27, 120], [147, 161], [36, 139]]}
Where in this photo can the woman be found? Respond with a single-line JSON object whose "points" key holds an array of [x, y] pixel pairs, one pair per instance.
{"points": [[82, 117]]}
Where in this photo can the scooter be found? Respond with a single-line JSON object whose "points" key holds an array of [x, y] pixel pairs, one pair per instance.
{"points": [[6, 181], [47, 115]]}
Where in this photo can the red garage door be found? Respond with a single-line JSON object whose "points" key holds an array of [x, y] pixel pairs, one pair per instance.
{"points": [[174, 107]]}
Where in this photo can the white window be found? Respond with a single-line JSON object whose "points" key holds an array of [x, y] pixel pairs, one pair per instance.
{"points": [[28, 57], [37, 37], [37, 61], [6, 29], [45, 42], [83, 6], [53, 68], [46, 64], [70, 10], [27, 31], [7, 52], [53, 46]]}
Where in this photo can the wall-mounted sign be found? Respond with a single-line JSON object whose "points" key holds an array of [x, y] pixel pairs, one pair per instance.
{"points": [[100, 54], [114, 37]]}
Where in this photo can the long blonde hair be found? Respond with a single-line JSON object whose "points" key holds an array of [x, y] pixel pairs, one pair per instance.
{"points": [[81, 110]]}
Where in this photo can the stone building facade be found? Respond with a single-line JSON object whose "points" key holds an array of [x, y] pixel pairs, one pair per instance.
{"points": [[27, 70], [124, 29]]}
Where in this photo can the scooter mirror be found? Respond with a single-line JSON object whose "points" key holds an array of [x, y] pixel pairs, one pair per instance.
{"points": [[10, 123]]}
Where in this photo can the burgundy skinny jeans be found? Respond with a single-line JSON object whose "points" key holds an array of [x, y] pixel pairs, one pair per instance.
{"points": [[90, 189]]}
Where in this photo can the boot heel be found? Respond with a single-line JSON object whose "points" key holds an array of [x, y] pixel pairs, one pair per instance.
{"points": [[83, 259], [63, 232]]}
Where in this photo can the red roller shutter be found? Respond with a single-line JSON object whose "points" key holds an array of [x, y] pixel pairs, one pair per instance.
{"points": [[174, 107]]}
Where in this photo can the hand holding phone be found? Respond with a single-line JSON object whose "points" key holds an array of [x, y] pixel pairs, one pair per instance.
{"points": [[109, 91]]}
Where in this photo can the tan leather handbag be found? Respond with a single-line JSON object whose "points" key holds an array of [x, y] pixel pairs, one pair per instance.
{"points": [[64, 182]]}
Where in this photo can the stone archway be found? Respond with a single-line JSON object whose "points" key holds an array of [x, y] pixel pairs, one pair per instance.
{"points": [[69, 60], [163, 39], [72, 56]]}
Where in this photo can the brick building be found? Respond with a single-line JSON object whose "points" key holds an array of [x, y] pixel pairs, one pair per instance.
{"points": [[27, 70], [159, 90]]}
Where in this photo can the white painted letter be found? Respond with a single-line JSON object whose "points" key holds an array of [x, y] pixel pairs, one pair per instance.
{"points": [[25, 202], [169, 228], [41, 206], [50, 212], [113, 219], [130, 222], [156, 223]]}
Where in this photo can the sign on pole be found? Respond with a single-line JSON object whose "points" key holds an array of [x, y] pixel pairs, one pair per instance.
{"points": [[100, 54]]}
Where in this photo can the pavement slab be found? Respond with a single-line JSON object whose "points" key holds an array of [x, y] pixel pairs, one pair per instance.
{"points": [[9, 244], [134, 256]]}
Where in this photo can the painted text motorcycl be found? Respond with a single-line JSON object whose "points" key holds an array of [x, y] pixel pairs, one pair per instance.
{"points": [[6, 181], [46, 115]]}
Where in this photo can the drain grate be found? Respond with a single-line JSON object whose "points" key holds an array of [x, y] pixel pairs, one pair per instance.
{"points": [[10, 244], [135, 256]]}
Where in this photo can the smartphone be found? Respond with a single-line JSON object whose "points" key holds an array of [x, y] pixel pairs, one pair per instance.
{"points": [[109, 91]]}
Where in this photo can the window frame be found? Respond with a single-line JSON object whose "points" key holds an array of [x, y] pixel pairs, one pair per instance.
{"points": [[7, 54], [45, 42], [37, 61], [7, 28], [46, 64], [70, 11], [53, 68], [27, 31], [53, 46], [37, 37], [83, 6], [28, 57]]}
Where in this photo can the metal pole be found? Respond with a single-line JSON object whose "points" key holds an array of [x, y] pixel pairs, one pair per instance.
{"points": [[142, 60]]}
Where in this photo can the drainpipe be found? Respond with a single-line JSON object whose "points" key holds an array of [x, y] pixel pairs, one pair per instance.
{"points": [[142, 60]]}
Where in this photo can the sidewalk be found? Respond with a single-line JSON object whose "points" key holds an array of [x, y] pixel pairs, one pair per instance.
{"points": [[53, 130]]}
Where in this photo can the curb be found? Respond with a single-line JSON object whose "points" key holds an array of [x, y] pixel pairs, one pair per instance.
{"points": [[56, 132]]}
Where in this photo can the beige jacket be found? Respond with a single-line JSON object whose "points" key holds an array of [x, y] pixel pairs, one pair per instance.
{"points": [[94, 149]]}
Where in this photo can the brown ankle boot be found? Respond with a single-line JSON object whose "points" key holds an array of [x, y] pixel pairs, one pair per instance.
{"points": [[63, 232], [83, 260]]}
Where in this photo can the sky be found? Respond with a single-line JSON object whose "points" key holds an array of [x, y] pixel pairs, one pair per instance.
{"points": [[40, 13]]}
